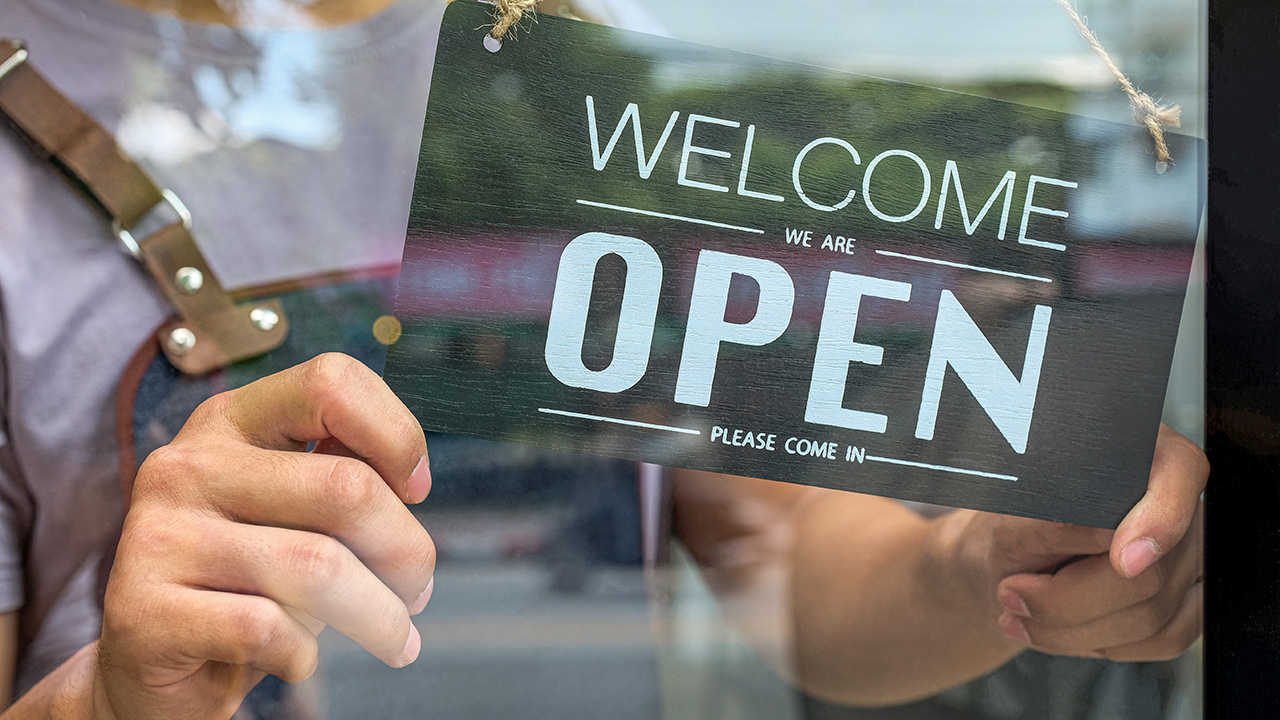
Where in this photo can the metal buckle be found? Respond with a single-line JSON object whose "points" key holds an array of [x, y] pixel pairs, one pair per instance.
{"points": [[131, 243], [17, 58]]}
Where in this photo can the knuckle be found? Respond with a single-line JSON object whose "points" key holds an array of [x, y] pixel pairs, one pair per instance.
{"points": [[1191, 456], [1046, 640], [257, 631], [1149, 619], [149, 535], [420, 560], [350, 488], [1186, 634], [1169, 648], [328, 375], [303, 663], [1059, 615], [316, 560], [165, 473], [392, 625], [1197, 456], [131, 615], [211, 409], [409, 433], [428, 554], [1172, 643], [1150, 583]]}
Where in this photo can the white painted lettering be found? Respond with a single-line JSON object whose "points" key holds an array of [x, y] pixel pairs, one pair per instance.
{"points": [[836, 349], [1030, 207], [924, 194], [958, 342], [1006, 182], [746, 166], [795, 173], [599, 160], [799, 237], [566, 330], [707, 327], [691, 149]]}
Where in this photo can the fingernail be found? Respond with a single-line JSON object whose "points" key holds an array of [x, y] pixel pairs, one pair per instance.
{"points": [[412, 647], [1138, 556], [1013, 628], [1014, 603], [421, 603], [420, 481]]}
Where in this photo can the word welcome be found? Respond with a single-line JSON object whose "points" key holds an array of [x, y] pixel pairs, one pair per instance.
{"points": [[647, 161]]}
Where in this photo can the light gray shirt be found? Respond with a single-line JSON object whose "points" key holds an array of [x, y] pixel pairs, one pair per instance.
{"points": [[295, 152]]}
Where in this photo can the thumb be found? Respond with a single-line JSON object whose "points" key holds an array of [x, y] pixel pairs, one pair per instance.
{"points": [[1159, 521]]}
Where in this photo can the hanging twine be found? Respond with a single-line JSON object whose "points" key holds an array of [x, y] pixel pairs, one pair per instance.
{"points": [[508, 13], [1146, 112]]}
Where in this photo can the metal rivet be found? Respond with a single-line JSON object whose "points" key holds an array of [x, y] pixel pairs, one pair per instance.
{"points": [[181, 341], [491, 43], [189, 280], [264, 318]]}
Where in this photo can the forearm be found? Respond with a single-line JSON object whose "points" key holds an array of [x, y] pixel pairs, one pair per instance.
{"points": [[852, 597], [886, 605], [65, 694]]}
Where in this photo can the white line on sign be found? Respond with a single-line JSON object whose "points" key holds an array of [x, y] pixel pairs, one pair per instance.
{"points": [[944, 468], [619, 421], [948, 263], [682, 218]]}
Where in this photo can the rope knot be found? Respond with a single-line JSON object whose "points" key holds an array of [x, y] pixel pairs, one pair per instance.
{"points": [[1155, 118], [1146, 112], [509, 14]]}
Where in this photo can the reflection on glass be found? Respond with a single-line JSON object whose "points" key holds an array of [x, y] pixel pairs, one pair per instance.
{"points": [[475, 309], [543, 607]]}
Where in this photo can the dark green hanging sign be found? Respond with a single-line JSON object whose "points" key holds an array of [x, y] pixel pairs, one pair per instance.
{"points": [[629, 246]]}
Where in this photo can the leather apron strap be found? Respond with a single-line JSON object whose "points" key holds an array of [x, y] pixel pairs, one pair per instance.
{"points": [[211, 331]]}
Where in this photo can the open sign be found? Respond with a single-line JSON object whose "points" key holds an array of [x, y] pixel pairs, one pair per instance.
{"points": [[958, 343], [790, 273]]}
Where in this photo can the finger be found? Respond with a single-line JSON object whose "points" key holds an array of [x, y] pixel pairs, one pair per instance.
{"points": [[313, 625], [1172, 640], [1161, 518], [1088, 589], [1129, 625], [240, 630], [1023, 545], [332, 396], [1077, 594], [335, 496], [313, 573], [419, 481]]}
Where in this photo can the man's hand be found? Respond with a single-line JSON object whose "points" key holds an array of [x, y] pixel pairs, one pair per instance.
{"points": [[885, 606], [239, 547], [1139, 593]]}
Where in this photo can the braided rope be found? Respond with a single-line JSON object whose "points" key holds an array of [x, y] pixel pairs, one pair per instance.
{"points": [[1146, 111]]}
